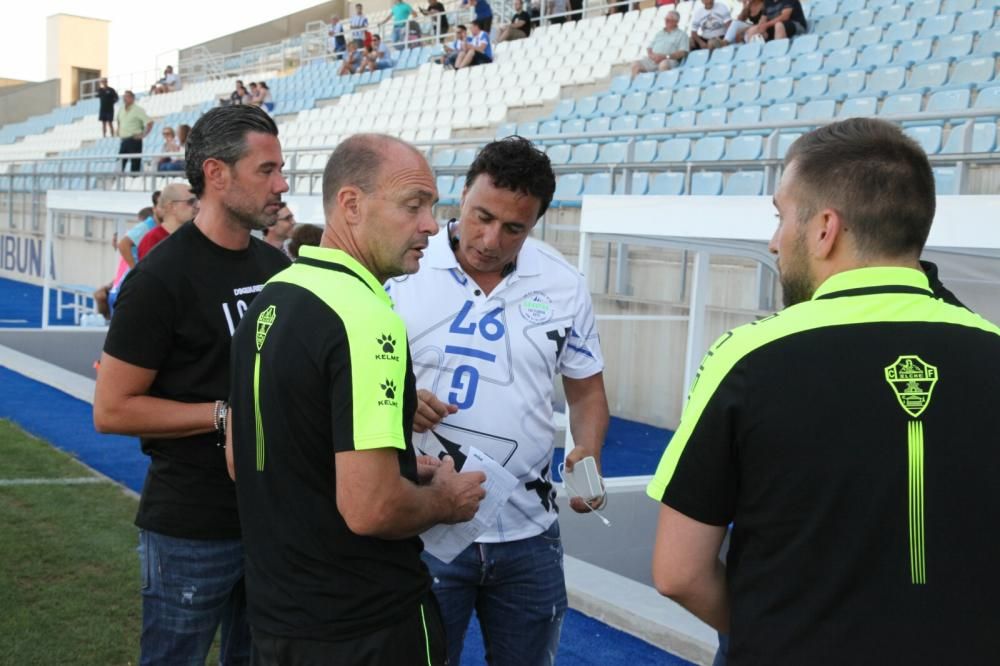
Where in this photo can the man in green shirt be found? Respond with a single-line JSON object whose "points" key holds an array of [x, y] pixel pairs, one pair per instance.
{"points": [[400, 13], [133, 126], [668, 50]]}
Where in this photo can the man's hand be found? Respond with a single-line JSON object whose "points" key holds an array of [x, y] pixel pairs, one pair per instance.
{"points": [[579, 504], [430, 411], [461, 491], [426, 466]]}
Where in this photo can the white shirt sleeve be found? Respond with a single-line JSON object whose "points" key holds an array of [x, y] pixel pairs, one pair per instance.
{"points": [[581, 357]]}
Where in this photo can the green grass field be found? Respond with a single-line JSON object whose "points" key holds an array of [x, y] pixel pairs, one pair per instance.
{"points": [[69, 573]]}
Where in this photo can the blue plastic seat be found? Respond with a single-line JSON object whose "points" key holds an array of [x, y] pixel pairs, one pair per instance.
{"points": [[697, 58], [715, 95], [620, 84], [977, 20], [928, 136], [776, 67], [848, 83], [443, 157], [599, 125], [859, 19], [954, 46], [886, 79], [634, 103], [745, 184], [686, 98], [777, 89], [653, 121], [928, 75], [706, 183], [811, 87], [818, 109], [984, 138], [829, 24], [669, 184], [858, 107], [667, 79], [464, 157], [612, 153], [891, 13], [822, 8], [913, 51], [831, 41], [559, 153], [569, 186], [723, 55], [586, 107], [988, 98], [644, 150], [745, 115], [866, 36], [774, 49], [851, 6], [785, 141], [681, 119], [527, 128], [780, 113], [550, 127], [807, 63], [575, 126], [747, 52], [944, 101], [597, 183], [901, 31], [719, 73], [876, 55], [936, 26], [674, 150], [624, 123], [923, 9], [692, 76], [745, 147], [956, 6], [748, 70], [658, 101], [585, 153], [745, 92], [610, 105], [988, 44], [715, 117], [505, 130], [640, 183], [945, 181], [643, 82], [804, 44], [841, 59], [901, 104], [444, 187], [973, 72]]}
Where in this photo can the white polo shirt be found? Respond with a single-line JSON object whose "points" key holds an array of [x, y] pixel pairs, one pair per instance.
{"points": [[496, 357]]}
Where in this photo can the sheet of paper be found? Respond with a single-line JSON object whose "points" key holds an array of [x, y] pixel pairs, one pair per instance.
{"points": [[445, 542]]}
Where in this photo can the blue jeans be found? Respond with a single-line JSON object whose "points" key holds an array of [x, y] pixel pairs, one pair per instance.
{"points": [[518, 591], [399, 36], [189, 588]]}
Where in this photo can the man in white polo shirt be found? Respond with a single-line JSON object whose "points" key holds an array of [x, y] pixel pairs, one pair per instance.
{"points": [[493, 316]]}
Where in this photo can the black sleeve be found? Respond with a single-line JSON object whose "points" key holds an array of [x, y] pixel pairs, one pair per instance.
{"points": [[142, 326]]}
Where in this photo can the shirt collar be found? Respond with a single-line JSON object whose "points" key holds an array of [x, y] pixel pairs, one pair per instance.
{"points": [[331, 255], [440, 255], [878, 276]]}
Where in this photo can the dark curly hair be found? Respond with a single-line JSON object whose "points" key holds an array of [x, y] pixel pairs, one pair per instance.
{"points": [[221, 134], [516, 164]]}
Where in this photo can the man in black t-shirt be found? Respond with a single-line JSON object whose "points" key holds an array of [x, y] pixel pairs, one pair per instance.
{"points": [[164, 376], [106, 114], [784, 19], [332, 496], [519, 26]]}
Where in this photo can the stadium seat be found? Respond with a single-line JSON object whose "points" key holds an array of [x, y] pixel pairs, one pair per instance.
{"points": [[902, 31], [776, 67], [936, 26], [599, 125], [847, 83], [957, 6], [913, 51], [708, 149], [643, 82], [859, 19], [891, 13], [640, 183], [858, 107], [785, 141], [692, 76], [988, 44], [465, 156], [822, 8], [527, 128], [559, 153], [610, 105], [840, 60], [619, 84], [923, 9], [744, 147], [674, 150], [866, 36], [659, 101], [568, 188], [669, 183], [829, 24], [945, 181], [653, 121], [811, 87], [988, 98], [586, 107], [777, 90], [952, 47], [715, 117], [444, 157], [774, 49], [444, 186], [624, 123], [780, 113], [597, 183], [928, 75], [819, 109], [851, 6], [714, 95], [876, 55], [748, 70], [831, 41], [901, 104], [706, 183], [977, 20], [928, 136], [744, 183], [748, 52], [973, 72], [585, 153], [644, 150], [575, 126], [667, 79], [808, 63], [944, 101], [745, 115], [803, 45], [634, 103], [680, 119], [686, 98], [719, 73], [983, 139], [888, 79], [550, 127], [697, 58], [506, 129]]}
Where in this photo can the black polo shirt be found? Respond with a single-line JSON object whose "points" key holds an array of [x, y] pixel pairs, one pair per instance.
{"points": [[852, 441], [320, 366]]}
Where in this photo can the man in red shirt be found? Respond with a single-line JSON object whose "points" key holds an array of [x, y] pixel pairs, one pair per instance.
{"points": [[176, 206]]}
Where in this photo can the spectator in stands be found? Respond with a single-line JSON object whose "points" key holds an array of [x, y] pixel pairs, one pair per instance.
{"points": [[170, 81], [554, 7], [352, 60], [266, 100], [480, 51], [482, 12], [519, 26], [359, 25], [128, 245], [708, 24], [750, 15], [457, 47], [336, 42], [238, 94], [304, 234], [177, 206], [783, 20], [104, 296], [106, 114], [399, 14], [377, 57], [133, 126], [576, 7], [254, 94], [439, 19], [278, 235], [170, 145], [668, 50]]}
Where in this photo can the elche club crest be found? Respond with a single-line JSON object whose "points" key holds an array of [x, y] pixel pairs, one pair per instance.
{"points": [[912, 380]]}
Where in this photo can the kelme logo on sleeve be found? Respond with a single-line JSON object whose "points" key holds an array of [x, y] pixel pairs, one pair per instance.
{"points": [[387, 345], [912, 380], [389, 389], [264, 322]]}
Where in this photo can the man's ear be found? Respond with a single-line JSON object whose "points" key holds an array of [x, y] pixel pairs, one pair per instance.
{"points": [[827, 234], [349, 200], [216, 174]]}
